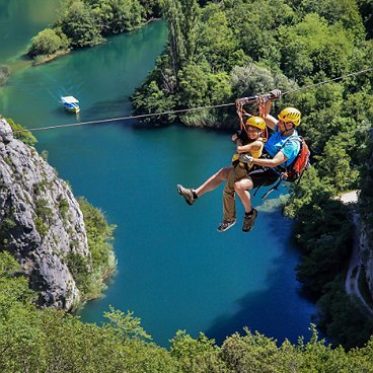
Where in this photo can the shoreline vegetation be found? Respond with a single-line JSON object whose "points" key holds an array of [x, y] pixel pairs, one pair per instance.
{"points": [[214, 56], [86, 23], [45, 58]]}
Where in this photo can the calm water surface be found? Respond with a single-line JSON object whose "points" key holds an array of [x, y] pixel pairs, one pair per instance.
{"points": [[174, 270]]}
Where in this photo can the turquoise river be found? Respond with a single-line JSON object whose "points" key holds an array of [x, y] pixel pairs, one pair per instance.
{"points": [[175, 271]]}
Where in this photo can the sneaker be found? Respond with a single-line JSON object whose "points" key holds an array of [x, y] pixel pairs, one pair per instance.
{"points": [[249, 220], [186, 193], [225, 225]]}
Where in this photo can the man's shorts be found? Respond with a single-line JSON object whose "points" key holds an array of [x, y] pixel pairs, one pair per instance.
{"points": [[263, 176]]}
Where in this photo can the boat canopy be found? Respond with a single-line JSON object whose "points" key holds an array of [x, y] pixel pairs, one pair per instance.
{"points": [[69, 100]]}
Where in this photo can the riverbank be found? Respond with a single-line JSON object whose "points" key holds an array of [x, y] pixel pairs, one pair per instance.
{"points": [[39, 60]]}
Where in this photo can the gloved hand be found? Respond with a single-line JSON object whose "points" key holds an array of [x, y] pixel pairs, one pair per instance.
{"points": [[275, 94], [245, 158]]}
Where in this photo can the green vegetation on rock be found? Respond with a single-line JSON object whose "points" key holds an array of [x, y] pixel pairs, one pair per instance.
{"points": [[21, 133], [103, 264]]}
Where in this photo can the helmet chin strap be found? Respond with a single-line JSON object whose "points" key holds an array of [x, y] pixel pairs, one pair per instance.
{"points": [[287, 129]]}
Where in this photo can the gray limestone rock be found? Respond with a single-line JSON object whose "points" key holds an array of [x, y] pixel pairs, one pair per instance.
{"points": [[41, 223], [6, 133]]}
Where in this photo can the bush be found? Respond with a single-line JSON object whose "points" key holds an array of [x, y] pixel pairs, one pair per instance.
{"points": [[48, 41], [22, 133]]}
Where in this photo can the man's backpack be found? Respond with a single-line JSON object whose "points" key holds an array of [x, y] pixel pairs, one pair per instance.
{"points": [[295, 170]]}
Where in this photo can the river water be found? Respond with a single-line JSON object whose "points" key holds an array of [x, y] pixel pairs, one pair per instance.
{"points": [[175, 271]]}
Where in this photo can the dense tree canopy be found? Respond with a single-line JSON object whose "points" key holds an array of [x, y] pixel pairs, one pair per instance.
{"points": [[47, 340]]}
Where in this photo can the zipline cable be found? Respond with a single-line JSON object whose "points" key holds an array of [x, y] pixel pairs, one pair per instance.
{"points": [[327, 81], [178, 111]]}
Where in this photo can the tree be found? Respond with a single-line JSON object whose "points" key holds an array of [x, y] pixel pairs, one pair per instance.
{"points": [[344, 11], [312, 46], [117, 16], [48, 41], [182, 17], [256, 79], [255, 26], [335, 164], [79, 24], [193, 84], [196, 355], [172, 11], [366, 11], [215, 38]]}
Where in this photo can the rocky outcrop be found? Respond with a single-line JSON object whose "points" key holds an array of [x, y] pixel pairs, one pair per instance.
{"points": [[366, 255], [366, 212], [40, 222]]}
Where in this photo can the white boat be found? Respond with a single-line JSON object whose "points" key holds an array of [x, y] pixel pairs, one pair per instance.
{"points": [[71, 104]]}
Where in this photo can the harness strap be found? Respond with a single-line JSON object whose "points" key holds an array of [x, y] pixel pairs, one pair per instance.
{"points": [[280, 169]]}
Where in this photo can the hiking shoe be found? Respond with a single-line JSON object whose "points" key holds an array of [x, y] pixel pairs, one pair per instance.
{"points": [[225, 225], [186, 193], [249, 220]]}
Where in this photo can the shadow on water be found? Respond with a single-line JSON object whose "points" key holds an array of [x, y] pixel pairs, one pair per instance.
{"points": [[268, 311]]}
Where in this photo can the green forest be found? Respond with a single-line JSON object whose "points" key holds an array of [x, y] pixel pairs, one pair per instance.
{"points": [[217, 52], [221, 51], [48, 340]]}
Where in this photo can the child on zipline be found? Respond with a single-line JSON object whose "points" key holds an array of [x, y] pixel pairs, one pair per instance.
{"points": [[250, 140]]}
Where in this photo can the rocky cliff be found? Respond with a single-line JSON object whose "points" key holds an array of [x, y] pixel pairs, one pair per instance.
{"points": [[41, 223], [366, 210]]}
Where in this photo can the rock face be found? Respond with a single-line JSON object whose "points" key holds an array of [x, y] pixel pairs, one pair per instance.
{"points": [[366, 254], [40, 222], [366, 212]]}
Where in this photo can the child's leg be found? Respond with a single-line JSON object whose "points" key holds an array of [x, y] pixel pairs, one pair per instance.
{"points": [[229, 206], [213, 182], [242, 188]]}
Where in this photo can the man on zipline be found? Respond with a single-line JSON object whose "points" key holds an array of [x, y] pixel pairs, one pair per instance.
{"points": [[282, 147]]}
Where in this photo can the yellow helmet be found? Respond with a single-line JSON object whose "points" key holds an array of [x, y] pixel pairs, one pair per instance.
{"points": [[290, 115], [256, 122]]}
